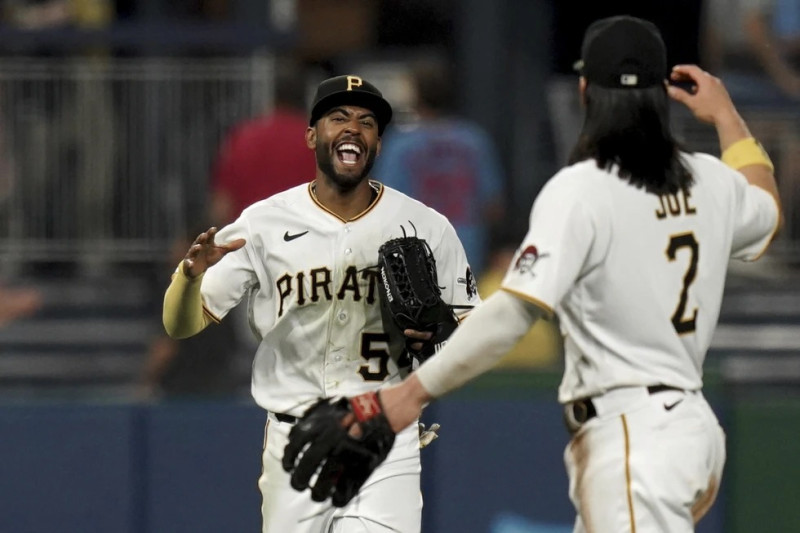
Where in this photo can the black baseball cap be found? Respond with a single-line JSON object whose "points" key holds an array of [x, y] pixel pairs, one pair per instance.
{"points": [[350, 90], [623, 52]]}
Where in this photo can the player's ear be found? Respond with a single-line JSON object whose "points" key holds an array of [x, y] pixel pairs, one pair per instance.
{"points": [[378, 148], [311, 137]]}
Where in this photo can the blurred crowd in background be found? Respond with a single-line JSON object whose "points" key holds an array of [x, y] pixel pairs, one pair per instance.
{"points": [[126, 127]]}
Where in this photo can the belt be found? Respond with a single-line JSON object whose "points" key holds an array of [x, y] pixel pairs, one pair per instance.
{"points": [[286, 419], [579, 412]]}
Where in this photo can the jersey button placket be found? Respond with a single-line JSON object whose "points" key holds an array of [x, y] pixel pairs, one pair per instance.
{"points": [[334, 365]]}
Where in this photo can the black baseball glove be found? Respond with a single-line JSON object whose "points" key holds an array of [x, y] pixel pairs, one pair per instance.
{"points": [[323, 444], [412, 299]]}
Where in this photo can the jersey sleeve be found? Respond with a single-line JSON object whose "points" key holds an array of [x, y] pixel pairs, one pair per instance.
{"points": [[755, 219], [555, 251], [226, 283], [455, 276]]}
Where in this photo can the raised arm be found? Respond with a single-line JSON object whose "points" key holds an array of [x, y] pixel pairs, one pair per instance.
{"points": [[710, 102], [183, 314]]}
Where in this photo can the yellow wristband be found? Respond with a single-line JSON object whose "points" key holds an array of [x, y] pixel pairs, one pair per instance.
{"points": [[746, 152]]}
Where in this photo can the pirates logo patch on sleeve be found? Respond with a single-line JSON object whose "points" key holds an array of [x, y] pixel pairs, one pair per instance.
{"points": [[527, 259], [469, 281]]}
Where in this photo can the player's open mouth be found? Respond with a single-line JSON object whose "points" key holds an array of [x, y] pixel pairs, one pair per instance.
{"points": [[348, 153]]}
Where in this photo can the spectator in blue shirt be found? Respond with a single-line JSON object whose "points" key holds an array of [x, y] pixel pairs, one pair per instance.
{"points": [[446, 162]]}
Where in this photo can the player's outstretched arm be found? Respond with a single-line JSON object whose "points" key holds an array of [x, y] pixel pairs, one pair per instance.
{"points": [[710, 102], [492, 330], [346, 439], [183, 304], [204, 252]]}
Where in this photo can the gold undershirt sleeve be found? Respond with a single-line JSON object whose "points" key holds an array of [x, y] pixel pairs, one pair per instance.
{"points": [[183, 314]]}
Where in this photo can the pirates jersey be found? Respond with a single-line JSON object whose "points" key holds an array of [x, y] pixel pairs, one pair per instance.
{"points": [[313, 291], [636, 278]]}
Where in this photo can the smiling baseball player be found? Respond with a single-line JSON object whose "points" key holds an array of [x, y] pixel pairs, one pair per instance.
{"points": [[305, 258], [630, 246]]}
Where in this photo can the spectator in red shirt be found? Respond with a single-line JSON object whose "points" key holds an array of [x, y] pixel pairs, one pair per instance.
{"points": [[264, 155]]}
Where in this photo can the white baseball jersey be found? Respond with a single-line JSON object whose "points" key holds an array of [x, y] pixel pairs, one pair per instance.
{"points": [[596, 244], [313, 290]]}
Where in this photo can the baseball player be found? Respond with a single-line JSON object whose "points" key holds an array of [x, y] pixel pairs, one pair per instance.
{"points": [[629, 245], [305, 259]]}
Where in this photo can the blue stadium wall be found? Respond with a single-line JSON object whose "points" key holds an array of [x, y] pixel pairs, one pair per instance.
{"points": [[80, 467]]}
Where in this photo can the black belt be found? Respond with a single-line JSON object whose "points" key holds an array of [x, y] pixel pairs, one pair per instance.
{"points": [[584, 410], [286, 419]]}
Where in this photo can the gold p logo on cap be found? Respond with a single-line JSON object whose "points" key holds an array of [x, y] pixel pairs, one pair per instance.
{"points": [[353, 81]]}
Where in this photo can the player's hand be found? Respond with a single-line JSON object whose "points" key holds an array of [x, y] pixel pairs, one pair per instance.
{"points": [[706, 96], [420, 336], [403, 403], [204, 252]]}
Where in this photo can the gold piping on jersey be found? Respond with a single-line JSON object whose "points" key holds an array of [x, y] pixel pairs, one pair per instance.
{"points": [[774, 230], [214, 318], [628, 473], [376, 186], [530, 299]]}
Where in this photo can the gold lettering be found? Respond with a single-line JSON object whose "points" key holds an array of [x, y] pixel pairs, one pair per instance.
{"points": [[284, 285], [663, 212], [350, 283], [690, 210], [673, 204], [321, 286], [353, 81], [372, 278], [301, 296], [320, 279]]}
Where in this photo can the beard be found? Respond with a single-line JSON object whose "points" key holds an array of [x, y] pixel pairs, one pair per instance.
{"points": [[343, 181]]}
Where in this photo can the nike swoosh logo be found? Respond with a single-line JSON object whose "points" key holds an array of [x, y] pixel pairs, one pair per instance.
{"points": [[287, 237], [672, 405]]}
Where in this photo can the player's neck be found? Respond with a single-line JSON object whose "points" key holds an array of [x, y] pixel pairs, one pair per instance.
{"points": [[347, 204]]}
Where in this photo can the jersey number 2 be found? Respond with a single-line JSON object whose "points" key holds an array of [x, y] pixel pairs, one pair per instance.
{"points": [[684, 240]]}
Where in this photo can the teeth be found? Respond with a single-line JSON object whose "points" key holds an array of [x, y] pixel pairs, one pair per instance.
{"points": [[349, 146]]}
